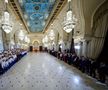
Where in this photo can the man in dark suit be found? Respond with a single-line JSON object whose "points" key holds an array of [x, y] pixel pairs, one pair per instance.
{"points": [[102, 72], [1, 69]]}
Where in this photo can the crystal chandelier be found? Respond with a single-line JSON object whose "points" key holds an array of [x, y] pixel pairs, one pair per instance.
{"points": [[51, 35], [26, 39], [21, 35], [70, 20], [45, 39], [6, 26]]}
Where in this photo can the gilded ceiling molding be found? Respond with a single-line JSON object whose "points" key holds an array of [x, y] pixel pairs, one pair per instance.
{"points": [[15, 7], [59, 6]]}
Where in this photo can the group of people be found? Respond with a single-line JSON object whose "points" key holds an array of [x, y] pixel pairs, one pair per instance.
{"points": [[96, 69], [9, 58]]}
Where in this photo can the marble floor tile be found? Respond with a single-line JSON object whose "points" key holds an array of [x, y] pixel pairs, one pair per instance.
{"points": [[41, 71]]}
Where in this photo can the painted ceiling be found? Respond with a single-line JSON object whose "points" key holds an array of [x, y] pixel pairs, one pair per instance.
{"points": [[36, 13]]}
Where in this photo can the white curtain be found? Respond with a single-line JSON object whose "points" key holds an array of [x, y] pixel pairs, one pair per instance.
{"points": [[1, 41]]}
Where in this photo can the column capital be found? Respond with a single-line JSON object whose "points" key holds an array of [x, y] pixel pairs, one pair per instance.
{"points": [[86, 40]]}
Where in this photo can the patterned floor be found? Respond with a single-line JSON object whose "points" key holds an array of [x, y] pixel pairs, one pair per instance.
{"points": [[41, 71]]}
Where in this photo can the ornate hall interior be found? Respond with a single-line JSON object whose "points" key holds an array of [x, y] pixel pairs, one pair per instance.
{"points": [[53, 44]]}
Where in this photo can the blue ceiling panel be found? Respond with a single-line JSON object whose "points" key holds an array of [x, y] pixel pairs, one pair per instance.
{"points": [[37, 13]]}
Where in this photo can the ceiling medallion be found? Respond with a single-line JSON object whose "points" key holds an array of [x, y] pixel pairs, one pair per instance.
{"points": [[37, 7]]}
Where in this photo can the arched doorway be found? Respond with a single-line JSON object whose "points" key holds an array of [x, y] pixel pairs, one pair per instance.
{"points": [[35, 45]]}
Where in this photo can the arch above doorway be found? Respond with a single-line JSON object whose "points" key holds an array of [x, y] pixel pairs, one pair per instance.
{"points": [[35, 44]]}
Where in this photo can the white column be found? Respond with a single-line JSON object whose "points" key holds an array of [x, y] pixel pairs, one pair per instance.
{"points": [[84, 51]]}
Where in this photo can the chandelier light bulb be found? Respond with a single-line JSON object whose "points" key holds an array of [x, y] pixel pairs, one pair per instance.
{"points": [[68, 30], [7, 31], [69, 0], [26, 39], [6, 17], [69, 15], [6, 1], [52, 35], [45, 39]]}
